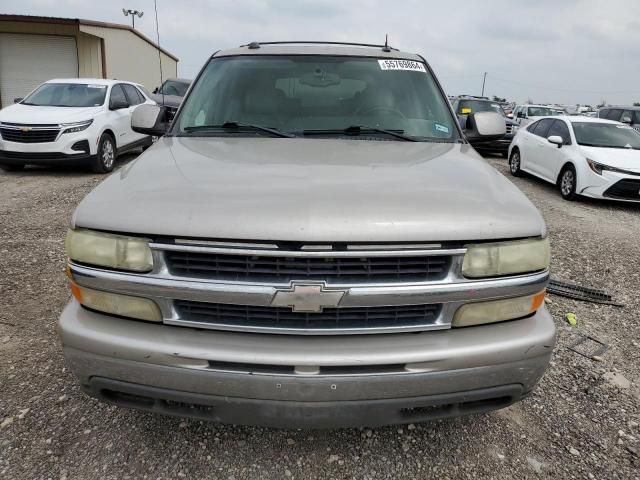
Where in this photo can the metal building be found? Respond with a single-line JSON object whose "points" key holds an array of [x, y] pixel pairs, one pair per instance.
{"points": [[36, 49]]}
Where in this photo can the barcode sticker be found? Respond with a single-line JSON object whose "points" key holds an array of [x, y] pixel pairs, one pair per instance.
{"points": [[402, 65]]}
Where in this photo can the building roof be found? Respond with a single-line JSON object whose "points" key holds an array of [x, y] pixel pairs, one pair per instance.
{"points": [[80, 21]]}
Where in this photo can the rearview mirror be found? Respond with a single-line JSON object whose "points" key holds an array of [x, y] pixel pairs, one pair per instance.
{"points": [[150, 120], [18, 99], [556, 140], [485, 127]]}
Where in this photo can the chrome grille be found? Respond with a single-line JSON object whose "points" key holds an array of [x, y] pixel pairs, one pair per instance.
{"points": [[360, 268], [274, 318], [14, 132]]}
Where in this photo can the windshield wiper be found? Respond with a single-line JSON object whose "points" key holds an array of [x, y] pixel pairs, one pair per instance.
{"points": [[229, 125], [361, 129]]}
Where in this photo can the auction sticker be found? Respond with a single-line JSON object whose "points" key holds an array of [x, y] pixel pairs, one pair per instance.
{"points": [[402, 65]]}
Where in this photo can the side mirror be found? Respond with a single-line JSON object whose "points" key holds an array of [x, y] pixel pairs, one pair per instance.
{"points": [[18, 99], [150, 120], [485, 127], [118, 104], [556, 140], [155, 90], [521, 115]]}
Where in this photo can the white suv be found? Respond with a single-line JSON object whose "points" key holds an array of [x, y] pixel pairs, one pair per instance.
{"points": [[76, 121], [525, 114]]}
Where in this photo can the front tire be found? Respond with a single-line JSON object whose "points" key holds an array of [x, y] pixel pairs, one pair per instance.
{"points": [[514, 163], [106, 157], [12, 168], [568, 183]]}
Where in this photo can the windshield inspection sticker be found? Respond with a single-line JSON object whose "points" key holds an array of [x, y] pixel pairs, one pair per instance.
{"points": [[402, 65], [440, 128]]}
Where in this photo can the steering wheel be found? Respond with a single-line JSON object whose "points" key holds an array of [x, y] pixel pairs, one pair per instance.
{"points": [[380, 108]]}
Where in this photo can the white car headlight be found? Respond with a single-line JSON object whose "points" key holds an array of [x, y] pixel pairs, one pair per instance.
{"points": [[109, 250], [506, 258], [600, 167], [76, 126]]}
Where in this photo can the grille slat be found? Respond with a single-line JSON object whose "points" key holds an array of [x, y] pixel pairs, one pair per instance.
{"points": [[266, 268], [248, 316], [30, 136]]}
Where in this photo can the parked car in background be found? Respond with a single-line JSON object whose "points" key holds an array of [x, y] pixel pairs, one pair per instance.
{"points": [[525, 114], [582, 155], [313, 242], [465, 105], [78, 121], [170, 94], [629, 115]]}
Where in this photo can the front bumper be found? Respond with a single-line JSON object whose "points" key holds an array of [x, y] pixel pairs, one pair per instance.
{"points": [[237, 377], [75, 148], [44, 158], [611, 186], [501, 145]]}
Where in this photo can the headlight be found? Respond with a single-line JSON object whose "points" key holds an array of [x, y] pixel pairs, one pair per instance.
{"points": [[108, 250], [599, 168], [497, 310], [116, 304], [76, 127], [506, 258]]}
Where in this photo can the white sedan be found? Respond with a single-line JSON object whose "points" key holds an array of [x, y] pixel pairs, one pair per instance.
{"points": [[583, 156], [77, 121]]}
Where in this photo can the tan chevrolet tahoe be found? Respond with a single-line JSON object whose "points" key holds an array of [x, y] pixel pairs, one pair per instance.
{"points": [[312, 242]]}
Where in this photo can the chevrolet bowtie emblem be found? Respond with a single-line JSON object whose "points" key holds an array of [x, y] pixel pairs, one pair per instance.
{"points": [[25, 129], [307, 297]]}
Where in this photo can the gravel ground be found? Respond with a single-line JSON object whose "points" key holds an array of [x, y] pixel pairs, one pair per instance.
{"points": [[581, 422]]}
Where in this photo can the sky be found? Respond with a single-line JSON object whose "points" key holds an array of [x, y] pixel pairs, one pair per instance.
{"points": [[546, 51]]}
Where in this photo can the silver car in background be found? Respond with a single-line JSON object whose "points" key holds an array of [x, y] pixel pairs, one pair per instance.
{"points": [[313, 242]]}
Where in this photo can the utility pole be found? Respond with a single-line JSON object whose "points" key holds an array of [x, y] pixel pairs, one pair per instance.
{"points": [[134, 14], [483, 81]]}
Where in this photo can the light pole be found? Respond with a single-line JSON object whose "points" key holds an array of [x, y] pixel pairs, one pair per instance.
{"points": [[133, 14], [483, 80]]}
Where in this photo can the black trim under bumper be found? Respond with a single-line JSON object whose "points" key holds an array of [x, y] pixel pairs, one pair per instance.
{"points": [[625, 189], [290, 414], [8, 157]]}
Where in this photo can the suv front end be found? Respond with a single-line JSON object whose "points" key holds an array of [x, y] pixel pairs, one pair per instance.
{"points": [[309, 276]]}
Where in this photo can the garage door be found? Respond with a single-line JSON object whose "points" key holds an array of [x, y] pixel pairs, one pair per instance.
{"points": [[28, 60]]}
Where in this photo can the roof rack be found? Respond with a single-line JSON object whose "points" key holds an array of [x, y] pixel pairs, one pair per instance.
{"points": [[256, 45]]}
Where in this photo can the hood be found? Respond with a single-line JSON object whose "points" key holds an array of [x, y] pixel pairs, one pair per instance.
{"points": [[626, 159], [169, 100], [30, 114], [310, 190]]}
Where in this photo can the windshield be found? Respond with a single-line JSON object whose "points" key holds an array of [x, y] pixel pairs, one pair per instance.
{"points": [[472, 106], [608, 135], [307, 94], [171, 87], [541, 112], [67, 95]]}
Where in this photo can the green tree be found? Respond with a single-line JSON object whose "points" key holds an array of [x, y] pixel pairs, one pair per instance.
{"points": [[636, 104]]}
